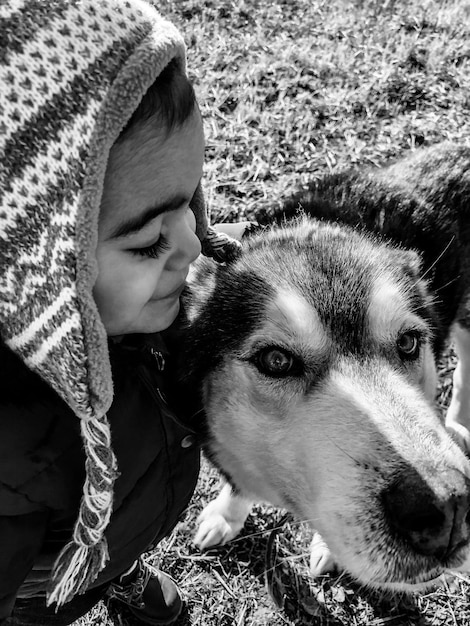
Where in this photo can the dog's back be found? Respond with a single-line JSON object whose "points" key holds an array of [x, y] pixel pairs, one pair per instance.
{"points": [[421, 202]]}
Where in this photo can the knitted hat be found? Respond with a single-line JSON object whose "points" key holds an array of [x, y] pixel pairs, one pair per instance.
{"points": [[71, 74]]}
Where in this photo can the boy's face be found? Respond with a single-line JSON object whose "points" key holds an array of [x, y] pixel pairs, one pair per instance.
{"points": [[146, 235]]}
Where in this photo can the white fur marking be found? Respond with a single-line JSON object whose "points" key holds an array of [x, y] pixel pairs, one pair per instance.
{"points": [[291, 320], [387, 309]]}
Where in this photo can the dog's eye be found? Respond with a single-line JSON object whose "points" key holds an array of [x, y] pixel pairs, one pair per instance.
{"points": [[275, 362], [408, 345]]}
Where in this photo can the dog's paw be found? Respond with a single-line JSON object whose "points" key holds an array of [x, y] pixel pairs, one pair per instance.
{"points": [[214, 530], [321, 559], [222, 519]]}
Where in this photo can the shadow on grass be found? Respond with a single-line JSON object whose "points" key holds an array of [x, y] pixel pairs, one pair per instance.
{"points": [[279, 560]]}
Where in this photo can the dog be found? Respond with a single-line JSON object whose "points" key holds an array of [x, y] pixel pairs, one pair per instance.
{"points": [[314, 355]]}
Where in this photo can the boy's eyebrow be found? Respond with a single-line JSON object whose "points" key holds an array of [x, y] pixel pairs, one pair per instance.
{"points": [[134, 224]]}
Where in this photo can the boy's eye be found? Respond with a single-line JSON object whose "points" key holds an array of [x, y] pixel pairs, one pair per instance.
{"points": [[153, 251]]}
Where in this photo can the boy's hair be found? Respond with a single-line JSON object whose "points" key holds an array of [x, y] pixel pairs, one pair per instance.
{"points": [[171, 98]]}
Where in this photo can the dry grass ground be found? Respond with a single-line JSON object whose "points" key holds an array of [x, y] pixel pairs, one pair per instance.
{"points": [[289, 90]]}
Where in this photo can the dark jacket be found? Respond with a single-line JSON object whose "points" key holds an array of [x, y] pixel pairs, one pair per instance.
{"points": [[42, 467]]}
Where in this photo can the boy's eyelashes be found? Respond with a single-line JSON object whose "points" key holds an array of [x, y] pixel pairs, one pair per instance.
{"points": [[155, 250]]}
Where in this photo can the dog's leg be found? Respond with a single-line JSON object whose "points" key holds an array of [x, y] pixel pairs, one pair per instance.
{"points": [[222, 519], [458, 413]]}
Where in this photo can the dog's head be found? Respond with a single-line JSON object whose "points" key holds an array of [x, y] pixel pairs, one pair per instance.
{"points": [[314, 354]]}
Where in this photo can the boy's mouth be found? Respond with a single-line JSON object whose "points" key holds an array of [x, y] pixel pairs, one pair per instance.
{"points": [[176, 293]]}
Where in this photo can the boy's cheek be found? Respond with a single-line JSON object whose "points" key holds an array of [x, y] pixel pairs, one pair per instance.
{"points": [[111, 289], [108, 305], [117, 308], [122, 291]]}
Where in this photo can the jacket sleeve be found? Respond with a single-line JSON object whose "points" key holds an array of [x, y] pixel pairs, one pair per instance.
{"points": [[21, 538]]}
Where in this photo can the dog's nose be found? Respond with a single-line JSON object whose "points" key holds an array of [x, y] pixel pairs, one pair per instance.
{"points": [[434, 518]]}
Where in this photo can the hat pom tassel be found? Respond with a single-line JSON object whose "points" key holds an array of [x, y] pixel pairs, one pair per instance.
{"points": [[75, 569], [220, 247], [83, 558]]}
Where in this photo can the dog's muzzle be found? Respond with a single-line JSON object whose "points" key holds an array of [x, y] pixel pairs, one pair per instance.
{"points": [[432, 516]]}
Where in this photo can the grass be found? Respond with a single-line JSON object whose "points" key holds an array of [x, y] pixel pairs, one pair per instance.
{"points": [[290, 90]]}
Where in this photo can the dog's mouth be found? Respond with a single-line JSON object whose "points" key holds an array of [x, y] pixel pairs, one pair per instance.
{"points": [[418, 583], [398, 555], [419, 575]]}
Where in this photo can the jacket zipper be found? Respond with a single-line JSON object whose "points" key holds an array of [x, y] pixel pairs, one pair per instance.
{"points": [[154, 388], [149, 383], [159, 358]]}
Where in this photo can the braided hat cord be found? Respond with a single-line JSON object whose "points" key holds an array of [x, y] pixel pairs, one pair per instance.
{"points": [[82, 559]]}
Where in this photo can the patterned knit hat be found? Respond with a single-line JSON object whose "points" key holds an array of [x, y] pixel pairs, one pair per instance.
{"points": [[71, 74]]}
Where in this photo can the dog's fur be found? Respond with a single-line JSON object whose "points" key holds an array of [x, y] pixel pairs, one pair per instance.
{"points": [[315, 356]]}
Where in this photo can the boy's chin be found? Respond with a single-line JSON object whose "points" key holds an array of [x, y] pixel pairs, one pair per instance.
{"points": [[161, 320], [154, 321]]}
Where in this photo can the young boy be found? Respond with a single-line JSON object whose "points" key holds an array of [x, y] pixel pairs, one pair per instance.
{"points": [[101, 216]]}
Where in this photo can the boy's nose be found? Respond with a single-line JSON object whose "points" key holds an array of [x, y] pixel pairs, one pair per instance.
{"points": [[188, 246]]}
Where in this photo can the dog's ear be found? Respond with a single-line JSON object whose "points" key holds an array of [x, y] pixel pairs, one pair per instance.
{"points": [[408, 262], [409, 266]]}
